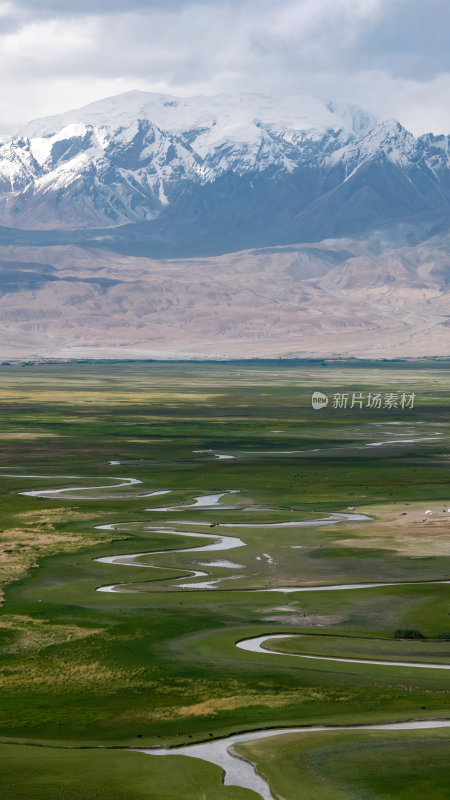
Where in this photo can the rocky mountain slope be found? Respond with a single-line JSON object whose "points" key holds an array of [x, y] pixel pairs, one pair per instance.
{"points": [[337, 298]]}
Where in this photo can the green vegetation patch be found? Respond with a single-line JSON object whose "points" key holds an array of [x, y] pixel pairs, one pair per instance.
{"points": [[37, 773], [343, 765], [157, 664]]}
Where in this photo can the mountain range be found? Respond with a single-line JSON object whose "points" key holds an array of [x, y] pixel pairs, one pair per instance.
{"points": [[149, 225]]}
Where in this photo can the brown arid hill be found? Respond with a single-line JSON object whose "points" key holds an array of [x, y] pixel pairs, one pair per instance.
{"points": [[336, 298]]}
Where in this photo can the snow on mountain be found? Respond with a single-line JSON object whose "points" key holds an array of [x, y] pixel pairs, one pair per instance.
{"points": [[297, 164], [233, 117], [123, 158], [388, 139]]}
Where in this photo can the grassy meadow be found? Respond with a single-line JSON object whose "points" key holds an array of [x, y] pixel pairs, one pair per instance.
{"points": [[349, 764], [156, 664]]}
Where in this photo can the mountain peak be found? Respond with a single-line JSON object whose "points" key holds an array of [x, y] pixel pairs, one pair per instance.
{"points": [[227, 112], [388, 139], [165, 160], [392, 139]]}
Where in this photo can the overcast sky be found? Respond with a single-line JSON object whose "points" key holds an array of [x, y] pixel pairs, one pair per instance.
{"points": [[391, 57]]}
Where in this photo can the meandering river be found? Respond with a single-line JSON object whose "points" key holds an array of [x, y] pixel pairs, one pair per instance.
{"points": [[237, 772]]}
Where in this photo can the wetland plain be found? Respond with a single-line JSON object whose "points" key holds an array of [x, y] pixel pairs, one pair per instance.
{"points": [[155, 516]]}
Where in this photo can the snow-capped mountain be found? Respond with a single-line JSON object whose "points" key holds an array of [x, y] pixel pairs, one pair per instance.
{"points": [[342, 222], [229, 171], [123, 159]]}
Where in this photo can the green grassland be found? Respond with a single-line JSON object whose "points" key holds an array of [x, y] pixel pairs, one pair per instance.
{"points": [[365, 648], [155, 664], [368, 765], [51, 774]]}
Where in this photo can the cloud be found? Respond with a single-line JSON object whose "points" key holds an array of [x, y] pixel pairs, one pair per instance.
{"points": [[390, 56]]}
